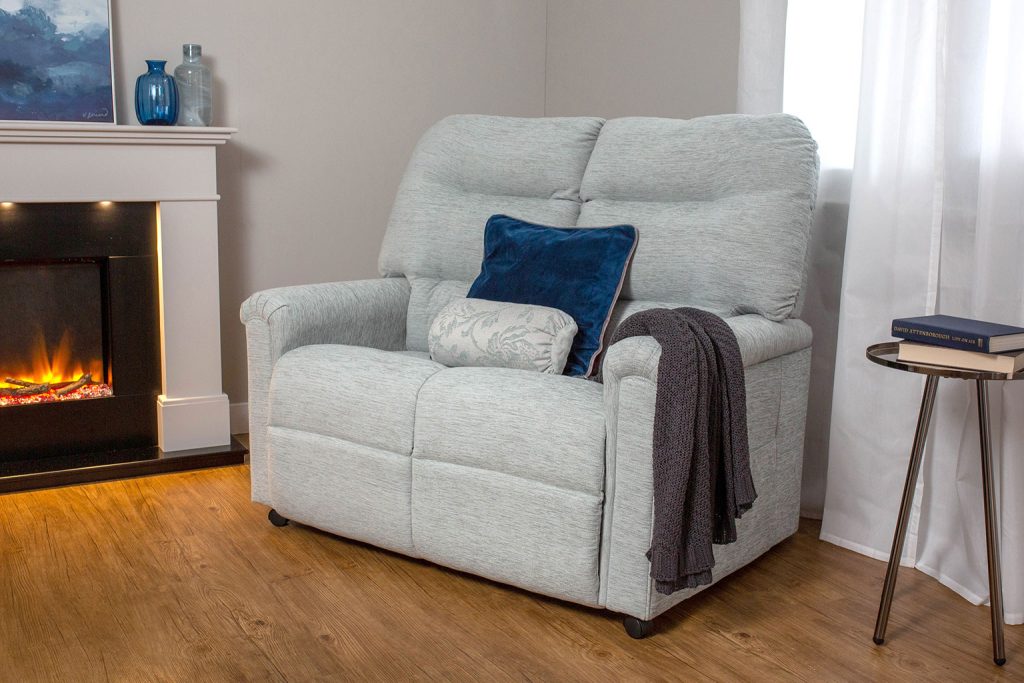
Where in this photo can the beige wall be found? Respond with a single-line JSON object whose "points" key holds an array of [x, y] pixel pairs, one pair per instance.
{"points": [[330, 96], [676, 58]]}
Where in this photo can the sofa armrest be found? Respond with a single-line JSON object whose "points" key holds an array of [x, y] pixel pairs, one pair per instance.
{"points": [[359, 313], [776, 356], [759, 340]]}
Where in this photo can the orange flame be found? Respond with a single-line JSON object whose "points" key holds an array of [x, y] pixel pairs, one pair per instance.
{"points": [[56, 367]]}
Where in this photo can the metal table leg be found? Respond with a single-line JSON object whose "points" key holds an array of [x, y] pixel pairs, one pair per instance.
{"points": [[924, 418], [995, 582]]}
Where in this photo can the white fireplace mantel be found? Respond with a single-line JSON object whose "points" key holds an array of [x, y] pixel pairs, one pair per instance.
{"points": [[176, 169]]}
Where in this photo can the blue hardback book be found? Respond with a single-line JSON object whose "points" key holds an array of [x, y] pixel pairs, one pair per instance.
{"points": [[959, 333]]}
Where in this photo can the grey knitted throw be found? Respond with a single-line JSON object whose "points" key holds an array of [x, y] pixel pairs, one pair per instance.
{"points": [[702, 480]]}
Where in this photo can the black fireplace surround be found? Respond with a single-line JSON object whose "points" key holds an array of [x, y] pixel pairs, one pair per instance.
{"points": [[109, 252], [119, 240]]}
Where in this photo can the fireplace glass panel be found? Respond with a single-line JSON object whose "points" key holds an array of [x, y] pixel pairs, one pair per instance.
{"points": [[52, 347]]}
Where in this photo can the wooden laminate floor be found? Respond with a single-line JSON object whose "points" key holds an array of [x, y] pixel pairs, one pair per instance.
{"points": [[180, 578]]}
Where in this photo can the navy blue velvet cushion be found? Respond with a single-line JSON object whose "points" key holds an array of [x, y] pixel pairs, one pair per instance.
{"points": [[576, 270]]}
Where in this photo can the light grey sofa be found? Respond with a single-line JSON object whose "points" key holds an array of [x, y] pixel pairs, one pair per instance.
{"points": [[540, 481]]}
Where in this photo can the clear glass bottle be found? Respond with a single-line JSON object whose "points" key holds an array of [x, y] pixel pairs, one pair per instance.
{"points": [[195, 88]]}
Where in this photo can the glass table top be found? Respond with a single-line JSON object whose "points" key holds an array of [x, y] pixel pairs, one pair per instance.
{"points": [[886, 353]]}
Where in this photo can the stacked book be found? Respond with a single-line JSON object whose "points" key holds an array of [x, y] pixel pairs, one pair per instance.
{"points": [[960, 343]]}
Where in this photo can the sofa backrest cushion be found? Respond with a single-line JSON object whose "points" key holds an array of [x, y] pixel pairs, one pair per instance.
{"points": [[427, 297], [722, 205], [467, 168]]}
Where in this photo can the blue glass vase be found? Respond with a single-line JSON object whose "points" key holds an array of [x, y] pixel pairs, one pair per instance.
{"points": [[156, 96]]}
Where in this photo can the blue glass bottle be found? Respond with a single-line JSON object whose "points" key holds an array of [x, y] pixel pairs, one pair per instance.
{"points": [[156, 96]]}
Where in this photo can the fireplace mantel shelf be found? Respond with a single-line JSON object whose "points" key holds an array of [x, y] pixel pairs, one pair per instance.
{"points": [[104, 134], [80, 162]]}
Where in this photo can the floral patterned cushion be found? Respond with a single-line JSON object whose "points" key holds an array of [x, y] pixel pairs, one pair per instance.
{"points": [[477, 332]]}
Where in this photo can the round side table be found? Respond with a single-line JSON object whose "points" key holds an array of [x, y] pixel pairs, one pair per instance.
{"points": [[886, 354]]}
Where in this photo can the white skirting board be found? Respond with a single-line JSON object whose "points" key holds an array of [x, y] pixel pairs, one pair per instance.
{"points": [[192, 422]]}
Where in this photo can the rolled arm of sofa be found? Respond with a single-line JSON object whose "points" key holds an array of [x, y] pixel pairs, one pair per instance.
{"points": [[359, 313], [630, 372], [759, 340]]}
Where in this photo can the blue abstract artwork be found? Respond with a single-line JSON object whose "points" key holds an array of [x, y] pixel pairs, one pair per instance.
{"points": [[55, 61]]}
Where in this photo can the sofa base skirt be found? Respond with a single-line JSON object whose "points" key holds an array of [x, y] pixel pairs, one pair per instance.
{"points": [[513, 530], [342, 487], [527, 534]]}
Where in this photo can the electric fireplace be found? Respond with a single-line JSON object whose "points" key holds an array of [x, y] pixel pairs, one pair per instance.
{"points": [[79, 354], [109, 303]]}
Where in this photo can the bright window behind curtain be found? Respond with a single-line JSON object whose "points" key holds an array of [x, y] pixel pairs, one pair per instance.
{"points": [[822, 73]]}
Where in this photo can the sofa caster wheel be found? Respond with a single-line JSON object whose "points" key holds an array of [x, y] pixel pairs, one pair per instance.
{"points": [[276, 519], [638, 628]]}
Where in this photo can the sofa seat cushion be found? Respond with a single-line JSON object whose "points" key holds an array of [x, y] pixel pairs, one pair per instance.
{"points": [[362, 395], [545, 428]]}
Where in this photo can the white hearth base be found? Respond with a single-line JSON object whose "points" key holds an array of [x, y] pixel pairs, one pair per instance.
{"points": [[175, 168]]}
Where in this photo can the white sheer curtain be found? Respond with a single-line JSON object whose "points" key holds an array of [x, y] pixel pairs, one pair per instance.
{"points": [[817, 46], [936, 224]]}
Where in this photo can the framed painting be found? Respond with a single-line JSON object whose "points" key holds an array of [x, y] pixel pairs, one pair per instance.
{"points": [[55, 61]]}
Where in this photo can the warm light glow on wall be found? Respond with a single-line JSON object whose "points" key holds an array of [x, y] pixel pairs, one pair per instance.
{"points": [[6, 205], [105, 204]]}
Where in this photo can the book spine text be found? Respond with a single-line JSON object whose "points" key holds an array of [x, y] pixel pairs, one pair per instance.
{"points": [[953, 340]]}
